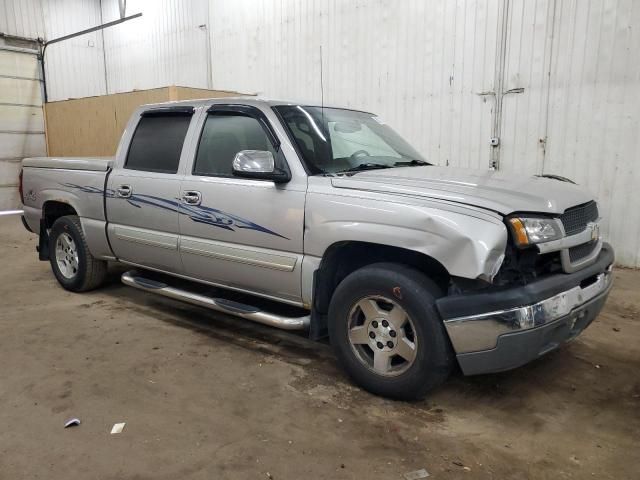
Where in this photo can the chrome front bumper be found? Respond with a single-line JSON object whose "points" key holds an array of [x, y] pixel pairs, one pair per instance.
{"points": [[480, 332], [503, 328]]}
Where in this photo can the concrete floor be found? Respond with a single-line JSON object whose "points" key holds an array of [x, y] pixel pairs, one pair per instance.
{"points": [[207, 396]]}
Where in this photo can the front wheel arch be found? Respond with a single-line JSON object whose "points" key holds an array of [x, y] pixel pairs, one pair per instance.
{"points": [[343, 258]]}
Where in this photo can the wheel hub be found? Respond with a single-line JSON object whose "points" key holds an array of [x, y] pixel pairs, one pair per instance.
{"points": [[67, 256], [381, 334]]}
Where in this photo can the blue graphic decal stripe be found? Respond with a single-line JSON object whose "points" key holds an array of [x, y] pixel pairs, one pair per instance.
{"points": [[197, 213]]}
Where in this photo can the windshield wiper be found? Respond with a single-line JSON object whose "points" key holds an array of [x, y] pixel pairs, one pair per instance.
{"points": [[365, 166], [411, 163]]}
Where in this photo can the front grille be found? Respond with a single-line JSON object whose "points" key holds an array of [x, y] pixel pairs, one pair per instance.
{"points": [[579, 252], [575, 219]]}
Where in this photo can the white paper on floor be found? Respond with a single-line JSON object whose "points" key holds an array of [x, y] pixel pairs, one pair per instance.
{"points": [[117, 428]]}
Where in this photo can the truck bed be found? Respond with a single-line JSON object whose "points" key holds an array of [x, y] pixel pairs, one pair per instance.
{"points": [[54, 182], [95, 164]]}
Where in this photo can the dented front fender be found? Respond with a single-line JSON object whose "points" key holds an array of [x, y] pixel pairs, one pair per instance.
{"points": [[468, 241]]}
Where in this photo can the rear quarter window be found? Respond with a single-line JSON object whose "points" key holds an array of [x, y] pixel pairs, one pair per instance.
{"points": [[157, 143]]}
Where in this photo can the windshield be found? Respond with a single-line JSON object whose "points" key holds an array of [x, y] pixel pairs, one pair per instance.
{"points": [[334, 140]]}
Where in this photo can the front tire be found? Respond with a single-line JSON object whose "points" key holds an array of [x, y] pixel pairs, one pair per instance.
{"points": [[71, 261], [387, 333]]}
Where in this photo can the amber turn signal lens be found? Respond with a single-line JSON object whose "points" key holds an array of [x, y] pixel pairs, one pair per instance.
{"points": [[519, 232]]}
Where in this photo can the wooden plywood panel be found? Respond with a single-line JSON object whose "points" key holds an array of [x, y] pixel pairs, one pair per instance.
{"points": [[93, 126], [124, 105], [79, 127], [187, 93]]}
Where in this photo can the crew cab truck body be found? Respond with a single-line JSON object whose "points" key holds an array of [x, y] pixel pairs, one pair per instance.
{"points": [[324, 219]]}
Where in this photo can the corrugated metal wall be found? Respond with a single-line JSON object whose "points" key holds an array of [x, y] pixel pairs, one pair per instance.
{"points": [[579, 113], [593, 129], [22, 18], [557, 81], [166, 46], [74, 68], [419, 65]]}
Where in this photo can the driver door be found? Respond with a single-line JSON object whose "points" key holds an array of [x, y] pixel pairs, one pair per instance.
{"points": [[245, 234]]}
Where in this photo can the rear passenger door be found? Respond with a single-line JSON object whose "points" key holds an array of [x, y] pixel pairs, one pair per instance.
{"points": [[143, 190], [237, 232]]}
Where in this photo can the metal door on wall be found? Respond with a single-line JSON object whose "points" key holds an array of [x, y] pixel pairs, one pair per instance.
{"points": [[522, 84], [21, 116]]}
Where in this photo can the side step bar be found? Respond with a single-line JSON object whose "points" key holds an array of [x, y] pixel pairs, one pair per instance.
{"points": [[133, 279]]}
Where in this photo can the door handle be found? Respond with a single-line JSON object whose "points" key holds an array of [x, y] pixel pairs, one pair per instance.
{"points": [[124, 191], [192, 197]]}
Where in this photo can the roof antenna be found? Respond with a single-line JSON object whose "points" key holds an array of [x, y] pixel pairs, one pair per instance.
{"points": [[321, 88]]}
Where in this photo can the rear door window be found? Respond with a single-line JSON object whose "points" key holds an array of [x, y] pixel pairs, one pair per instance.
{"points": [[156, 144]]}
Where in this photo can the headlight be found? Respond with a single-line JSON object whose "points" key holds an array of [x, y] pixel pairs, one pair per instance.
{"points": [[529, 231]]}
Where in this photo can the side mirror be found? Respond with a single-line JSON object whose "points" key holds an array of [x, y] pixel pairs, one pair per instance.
{"points": [[260, 165]]}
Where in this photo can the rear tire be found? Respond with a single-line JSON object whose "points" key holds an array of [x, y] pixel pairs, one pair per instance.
{"points": [[71, 261], [387, 333]]}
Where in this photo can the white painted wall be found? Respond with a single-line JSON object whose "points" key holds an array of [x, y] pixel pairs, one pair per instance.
{"points": [[445, 73]]}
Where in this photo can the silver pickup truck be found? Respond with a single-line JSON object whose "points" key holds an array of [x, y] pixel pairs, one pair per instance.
{"points": [[327, 221]]}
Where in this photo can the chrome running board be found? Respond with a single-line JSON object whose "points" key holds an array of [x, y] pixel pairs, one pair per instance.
{"points": [[134, 279]]}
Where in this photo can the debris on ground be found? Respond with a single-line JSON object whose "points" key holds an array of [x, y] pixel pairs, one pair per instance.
{"points": [[117, 428], [615, 329], [417, 474], [72, 422]]}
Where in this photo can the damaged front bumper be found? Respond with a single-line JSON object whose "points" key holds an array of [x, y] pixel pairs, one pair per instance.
{"points": [[504, 329]]}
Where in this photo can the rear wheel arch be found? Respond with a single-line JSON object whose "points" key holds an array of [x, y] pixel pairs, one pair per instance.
{"points": [[72, 263], [54, 209]]}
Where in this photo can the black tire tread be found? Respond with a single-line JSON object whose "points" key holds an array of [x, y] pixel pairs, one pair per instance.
{"points": [[95, 270], [424, 291]]}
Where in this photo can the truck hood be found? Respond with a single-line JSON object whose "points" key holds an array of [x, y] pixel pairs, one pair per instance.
{"points": [[497, 191]]}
